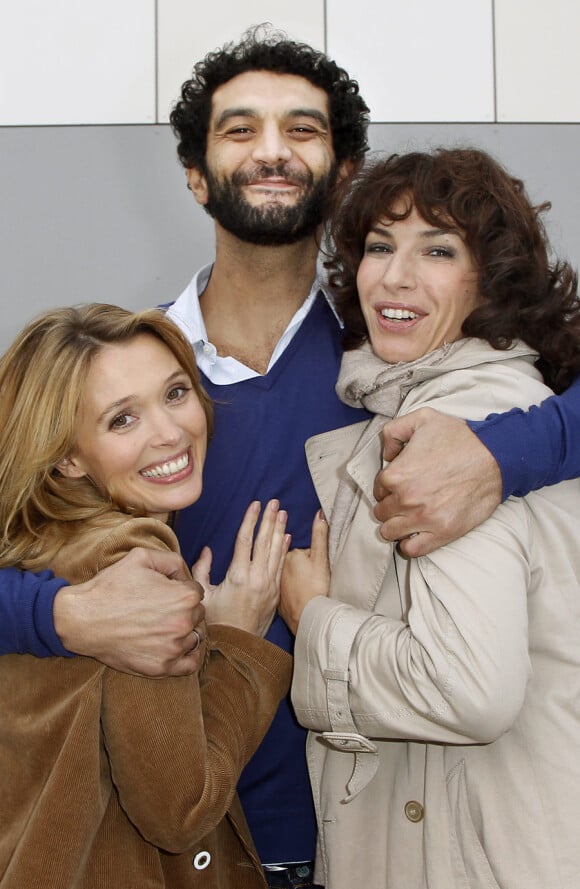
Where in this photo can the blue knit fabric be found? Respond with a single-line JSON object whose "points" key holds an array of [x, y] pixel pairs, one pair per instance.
{"points": [[257, 453], [26, 622], [537, 447]]}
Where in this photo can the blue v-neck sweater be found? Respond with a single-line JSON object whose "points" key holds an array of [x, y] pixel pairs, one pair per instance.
{"points": [[257, 453]]}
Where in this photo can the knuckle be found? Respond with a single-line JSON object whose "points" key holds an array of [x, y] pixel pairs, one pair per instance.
{"points": [[173, 650], [180, 627], [388, 533]]}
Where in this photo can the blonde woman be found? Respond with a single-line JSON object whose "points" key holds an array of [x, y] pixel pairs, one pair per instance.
{"points": [[108, 779]]}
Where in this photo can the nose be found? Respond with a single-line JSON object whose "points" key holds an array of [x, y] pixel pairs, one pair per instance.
{"points": [[164, 429], [270, 146], [399, 272]]}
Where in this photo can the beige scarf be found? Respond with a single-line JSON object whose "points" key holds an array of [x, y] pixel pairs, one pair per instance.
{"points": [[365, 380]]}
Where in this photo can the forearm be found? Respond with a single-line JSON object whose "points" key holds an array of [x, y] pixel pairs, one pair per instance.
{"points": [[26, 613], [537, 447], [453, 670], [177, 747]]}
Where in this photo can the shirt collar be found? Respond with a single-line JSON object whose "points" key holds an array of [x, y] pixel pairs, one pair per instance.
{"points": [[186, 310]]}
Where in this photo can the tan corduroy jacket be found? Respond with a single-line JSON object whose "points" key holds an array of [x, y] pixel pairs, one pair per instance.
{"points": [[112, 781]]}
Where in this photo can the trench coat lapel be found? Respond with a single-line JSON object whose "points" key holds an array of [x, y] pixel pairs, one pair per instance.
{"points": [[329, 458]]}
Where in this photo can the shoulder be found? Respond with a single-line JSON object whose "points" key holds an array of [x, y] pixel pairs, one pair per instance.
{"points": [[478, 380], [107, 539]]}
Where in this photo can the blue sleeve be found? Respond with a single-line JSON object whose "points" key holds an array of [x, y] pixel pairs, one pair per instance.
{"points": [[26, 622], [537, 447]]}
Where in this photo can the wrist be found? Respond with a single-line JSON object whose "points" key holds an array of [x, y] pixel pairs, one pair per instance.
{"points": [[67, 618]]}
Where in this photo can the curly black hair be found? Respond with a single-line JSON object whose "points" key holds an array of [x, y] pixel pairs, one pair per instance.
{"points": [[263, 49], [525, 296]]}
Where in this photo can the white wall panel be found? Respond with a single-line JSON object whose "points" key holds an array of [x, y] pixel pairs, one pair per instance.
{"points": [[77, 62], [417, 60], [188, 30], [538, 63]]}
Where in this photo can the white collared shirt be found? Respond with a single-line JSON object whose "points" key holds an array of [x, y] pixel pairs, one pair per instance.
{"points": [[186, 313]]}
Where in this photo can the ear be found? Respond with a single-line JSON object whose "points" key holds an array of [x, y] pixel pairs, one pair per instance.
{"points": [[346, 170], [70, 467], [197, 185]]}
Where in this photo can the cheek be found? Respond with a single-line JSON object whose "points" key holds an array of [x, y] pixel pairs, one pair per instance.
{"points": [[365, 281], [318, 158], [469, 297], [116, 460], [197, 428]]}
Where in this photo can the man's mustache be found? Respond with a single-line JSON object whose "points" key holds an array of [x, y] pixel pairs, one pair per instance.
{"points": [[293, 177]]}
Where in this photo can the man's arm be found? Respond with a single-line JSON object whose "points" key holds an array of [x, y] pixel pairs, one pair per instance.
{"points": [[441, 483], [137, 616], [473, 469], [538, 447], [26, 603]]}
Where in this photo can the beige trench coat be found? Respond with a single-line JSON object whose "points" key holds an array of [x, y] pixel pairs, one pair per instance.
{"points": [[443, 692]]}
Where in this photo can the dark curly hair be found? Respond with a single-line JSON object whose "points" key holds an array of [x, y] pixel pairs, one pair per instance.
{"points": [[525, 296], [263, 49]]}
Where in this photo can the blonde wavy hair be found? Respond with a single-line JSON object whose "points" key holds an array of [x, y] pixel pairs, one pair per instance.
{"points": [[42, 380]]}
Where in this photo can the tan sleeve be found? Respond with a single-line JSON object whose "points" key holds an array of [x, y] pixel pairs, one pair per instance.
{"points": [[105, 541], [177, 746]]}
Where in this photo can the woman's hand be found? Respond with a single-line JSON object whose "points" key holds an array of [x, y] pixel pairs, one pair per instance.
{"points": [[306, 574], [248, 596]]}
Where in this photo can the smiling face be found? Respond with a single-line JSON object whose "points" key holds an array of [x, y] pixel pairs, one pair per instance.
{"points": [[417, 284], [141, 430], [269, 160]]}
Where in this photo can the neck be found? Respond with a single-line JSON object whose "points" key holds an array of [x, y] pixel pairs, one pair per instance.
{"points": [[253, 293]]}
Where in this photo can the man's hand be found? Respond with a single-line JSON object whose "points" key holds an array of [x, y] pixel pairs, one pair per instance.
{"points": [[248, 596], [441, 483], [306, 575], [136, 616]]}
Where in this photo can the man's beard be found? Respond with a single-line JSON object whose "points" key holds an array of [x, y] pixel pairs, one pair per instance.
{"points": [[273, 224]]}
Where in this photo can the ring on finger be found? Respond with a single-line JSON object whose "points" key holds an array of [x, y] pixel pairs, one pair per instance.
{"points": [[197, 642]]}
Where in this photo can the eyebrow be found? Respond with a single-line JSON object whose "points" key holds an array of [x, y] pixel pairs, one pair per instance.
{"points": [[241, 111], [427, 233], [115, 405]]}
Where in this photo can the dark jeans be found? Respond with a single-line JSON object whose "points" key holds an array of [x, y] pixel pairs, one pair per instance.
{"points": [[291, 876]]}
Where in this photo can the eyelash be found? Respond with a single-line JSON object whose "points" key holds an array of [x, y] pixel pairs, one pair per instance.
{"points": [[179, 388], [378, 248], [239, 131], [437, 252], [441, 252], [299, 131], [114, 425]]}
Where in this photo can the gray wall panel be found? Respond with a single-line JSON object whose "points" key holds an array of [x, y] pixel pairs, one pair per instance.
{"points": [[102, 213], [94, 214]]}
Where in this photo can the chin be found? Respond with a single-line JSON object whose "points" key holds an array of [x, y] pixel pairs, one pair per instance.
{"points": [[390, 356], [186, 498]]}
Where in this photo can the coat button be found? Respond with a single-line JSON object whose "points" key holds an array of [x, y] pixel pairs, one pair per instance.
{"points": [[414, 811], [201, 860]]}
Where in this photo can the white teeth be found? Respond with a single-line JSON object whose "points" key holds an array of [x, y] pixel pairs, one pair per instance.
{"points": [[167, 469], [398, 314]]}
